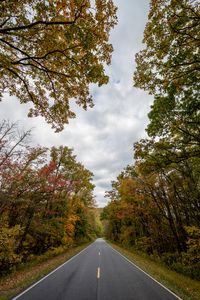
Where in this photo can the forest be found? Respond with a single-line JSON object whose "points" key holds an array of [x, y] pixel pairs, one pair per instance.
{"points": [[154, 203], [47, 203], [51, 52]]}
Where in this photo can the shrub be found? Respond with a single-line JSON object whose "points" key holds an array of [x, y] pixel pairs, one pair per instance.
{"points": [[8, 244]]}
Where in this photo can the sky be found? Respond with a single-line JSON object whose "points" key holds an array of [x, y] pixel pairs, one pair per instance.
{"points": [[102, 137]]}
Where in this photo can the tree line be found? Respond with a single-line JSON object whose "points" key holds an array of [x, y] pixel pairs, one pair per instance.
{"points": [[155, 203], [50, 53], [46, 199]]}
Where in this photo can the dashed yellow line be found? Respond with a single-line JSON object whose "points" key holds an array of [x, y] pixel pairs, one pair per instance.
{"points": [[98, 273]]}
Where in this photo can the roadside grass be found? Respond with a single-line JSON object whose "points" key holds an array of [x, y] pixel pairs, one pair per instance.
{"points": [[184, 287], [19, 280]]}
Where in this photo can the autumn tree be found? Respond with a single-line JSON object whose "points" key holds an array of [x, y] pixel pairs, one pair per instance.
{"points": [[152, 209], [51, 51], [154, 204], [46, 199]]}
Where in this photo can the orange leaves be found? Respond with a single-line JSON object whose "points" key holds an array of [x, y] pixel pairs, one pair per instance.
{"points": [[70, 226], [48, 169]]}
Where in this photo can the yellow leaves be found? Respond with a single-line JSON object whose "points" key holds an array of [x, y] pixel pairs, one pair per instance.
{"points": [[70, 225], [46, 198], [8, 244], [69, 229], [127, 187], [193, 254], [62, 48], [194, 239]]}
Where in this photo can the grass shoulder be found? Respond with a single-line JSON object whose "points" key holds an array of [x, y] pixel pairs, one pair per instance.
{"points": [[183, 286], [29, 273]]}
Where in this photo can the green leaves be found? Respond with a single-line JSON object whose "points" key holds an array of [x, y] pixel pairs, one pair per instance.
{"points": [[154, 204], [168, 67]]}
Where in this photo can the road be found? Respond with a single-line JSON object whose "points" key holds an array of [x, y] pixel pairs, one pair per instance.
{"points": [[97, 273]]}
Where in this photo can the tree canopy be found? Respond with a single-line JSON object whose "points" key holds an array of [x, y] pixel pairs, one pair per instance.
{"points": [[51, 51], [169, 66], [154, 204]]}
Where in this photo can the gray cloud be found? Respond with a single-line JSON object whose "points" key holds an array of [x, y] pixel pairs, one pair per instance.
{"points": [[102, 137]]}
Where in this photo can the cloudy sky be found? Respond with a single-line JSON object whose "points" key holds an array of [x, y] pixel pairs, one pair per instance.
{"points": [[102, 137]]}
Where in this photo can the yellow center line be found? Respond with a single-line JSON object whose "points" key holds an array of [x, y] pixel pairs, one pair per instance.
{"points": [[98, 273]]}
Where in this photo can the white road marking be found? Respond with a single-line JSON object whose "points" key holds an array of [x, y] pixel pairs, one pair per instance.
{"points": [[145, 272], [43, 278], [98, 273]]}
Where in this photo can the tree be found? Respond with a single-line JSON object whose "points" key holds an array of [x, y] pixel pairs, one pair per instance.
{"points": [[155, 203], [169, 67], [13, 142], [177, 176], [46, 199], [51, 51]]}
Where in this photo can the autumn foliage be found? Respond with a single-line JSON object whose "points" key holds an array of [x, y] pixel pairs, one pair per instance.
{"points": [[155, 203], [51, 51], [46, 199]]}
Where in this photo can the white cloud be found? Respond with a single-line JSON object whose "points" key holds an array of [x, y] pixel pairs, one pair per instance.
{"points": [[103, 136]]}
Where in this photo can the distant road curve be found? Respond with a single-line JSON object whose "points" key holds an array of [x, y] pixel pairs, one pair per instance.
{"points": [[97, 273]]}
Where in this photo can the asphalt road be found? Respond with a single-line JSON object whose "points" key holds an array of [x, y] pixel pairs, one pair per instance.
{"points": [[97, 273]]}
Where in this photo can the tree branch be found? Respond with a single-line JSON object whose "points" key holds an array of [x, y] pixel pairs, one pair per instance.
{"points": [[24, 27], [41, 22], [45, 69], [2, 24], [31, 96]]}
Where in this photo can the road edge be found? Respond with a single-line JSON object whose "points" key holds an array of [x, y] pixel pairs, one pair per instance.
{"points": [[43, 278], [132, 263]]}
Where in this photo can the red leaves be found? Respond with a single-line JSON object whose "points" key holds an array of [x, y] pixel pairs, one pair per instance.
{"points": [[44, 192], [46, 170], [52, 178]]}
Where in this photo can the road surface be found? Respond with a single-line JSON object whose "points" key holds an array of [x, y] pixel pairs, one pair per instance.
{"points": [[97, 273]]}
